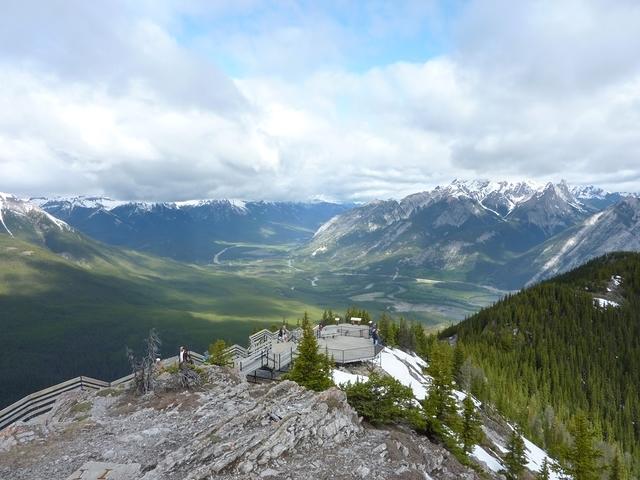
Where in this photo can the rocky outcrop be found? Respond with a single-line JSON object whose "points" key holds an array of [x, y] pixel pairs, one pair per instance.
{"points": [[227, 429]]}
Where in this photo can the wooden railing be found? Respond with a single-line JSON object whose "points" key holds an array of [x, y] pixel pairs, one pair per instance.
{"points": [[42, 401]]}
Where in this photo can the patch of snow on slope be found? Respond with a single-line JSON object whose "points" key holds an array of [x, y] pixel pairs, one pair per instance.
{"points": [[59, 223], [604, 303], [340, 377], [405, 368], [319, 250], [2, 220], [535, 456], [489, 460], [326, 225], [570, 243]]}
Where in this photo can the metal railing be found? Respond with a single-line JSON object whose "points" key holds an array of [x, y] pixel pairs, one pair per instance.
{"points": [[345, 330], [259, 355], [352, 355], [42, 401]]}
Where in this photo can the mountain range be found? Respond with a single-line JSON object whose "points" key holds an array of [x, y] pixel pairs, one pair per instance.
{"points": [[191, 231], [500, 233], [504, 234]]}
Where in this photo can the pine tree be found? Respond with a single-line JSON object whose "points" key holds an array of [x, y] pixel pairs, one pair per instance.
{"points": [[383, 328], [544, 473], [582, 456], [420, 339], [310, 369], [515, 459], [218, 354], [471, 431], [617, 471], [458, 360], [440, 405], [392, 336], [406, 341]]}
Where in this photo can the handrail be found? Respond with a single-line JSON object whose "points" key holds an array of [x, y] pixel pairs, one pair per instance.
{"points": [[258, 354], [42, 401]]}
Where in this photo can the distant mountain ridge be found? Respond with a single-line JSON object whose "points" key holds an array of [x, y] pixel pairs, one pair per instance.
{"points": [[192, 231], [469, 230], [500, 233]]}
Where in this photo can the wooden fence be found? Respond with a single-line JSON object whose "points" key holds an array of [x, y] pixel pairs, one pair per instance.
{"points": [[41, 402]]}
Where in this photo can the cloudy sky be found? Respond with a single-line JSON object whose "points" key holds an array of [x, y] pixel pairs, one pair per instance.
{"points": [[342, 100]]}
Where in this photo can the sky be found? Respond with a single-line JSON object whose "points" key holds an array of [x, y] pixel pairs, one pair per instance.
{"points": [[300, 100]]}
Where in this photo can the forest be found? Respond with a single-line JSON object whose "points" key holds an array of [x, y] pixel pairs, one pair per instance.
{"points": [[548, 354]]}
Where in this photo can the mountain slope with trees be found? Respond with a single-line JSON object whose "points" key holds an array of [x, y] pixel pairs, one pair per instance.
{"points": [[551, 352], [69, 304]]}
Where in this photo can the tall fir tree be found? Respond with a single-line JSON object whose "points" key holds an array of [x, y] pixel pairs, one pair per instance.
{"points": [[311, 369], [544, 473], [440, 406], [384, 323], [617, 470], [515, 459], [420, 339], [470, 431], [582, 457], [458, 361]]}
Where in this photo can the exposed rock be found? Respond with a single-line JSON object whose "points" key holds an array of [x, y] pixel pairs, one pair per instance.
{"points": [[110, 471], [228, 429]]}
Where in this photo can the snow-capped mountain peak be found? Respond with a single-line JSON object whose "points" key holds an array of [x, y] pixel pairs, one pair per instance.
{"points": [[583, 192], [10, 205], [81, 201]]}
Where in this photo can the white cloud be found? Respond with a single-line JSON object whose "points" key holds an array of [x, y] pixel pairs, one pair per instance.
{"points": [[118, 101]]}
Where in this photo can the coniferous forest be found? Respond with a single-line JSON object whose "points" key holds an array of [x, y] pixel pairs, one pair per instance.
{"points": [[548, 355]]}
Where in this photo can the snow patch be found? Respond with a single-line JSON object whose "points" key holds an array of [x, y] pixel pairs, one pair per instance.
{"points": [[340, 377], [535, 456], [485, 457], [2, 218], [570, 243], [405, 368], [321, 249], [59, 223], [604, 303]]}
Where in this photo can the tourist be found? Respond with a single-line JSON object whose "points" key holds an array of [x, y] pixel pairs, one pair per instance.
{"points": [[181, 355], [187, 356]]}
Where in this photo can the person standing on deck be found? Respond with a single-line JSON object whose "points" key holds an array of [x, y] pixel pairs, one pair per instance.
{"points": [[374, 334]]}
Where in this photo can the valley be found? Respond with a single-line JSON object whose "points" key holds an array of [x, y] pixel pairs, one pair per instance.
{"points": [[82, 278], [434, 303]]}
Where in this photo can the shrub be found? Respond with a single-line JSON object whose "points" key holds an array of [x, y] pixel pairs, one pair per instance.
{"points": [[382, 400], [218, 354]]}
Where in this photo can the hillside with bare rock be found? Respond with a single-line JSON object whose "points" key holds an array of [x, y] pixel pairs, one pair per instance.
{"points": [[226, 429]]}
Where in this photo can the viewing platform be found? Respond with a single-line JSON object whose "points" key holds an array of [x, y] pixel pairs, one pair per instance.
{"points": [[269, 355]]}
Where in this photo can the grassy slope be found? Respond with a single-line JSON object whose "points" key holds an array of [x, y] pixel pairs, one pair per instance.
{"points": [[61, 318]]}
